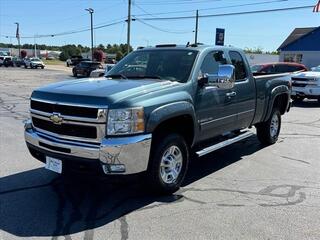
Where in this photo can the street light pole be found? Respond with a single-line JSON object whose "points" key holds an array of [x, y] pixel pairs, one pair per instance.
{"points": [[91, 11], [18, 37]]}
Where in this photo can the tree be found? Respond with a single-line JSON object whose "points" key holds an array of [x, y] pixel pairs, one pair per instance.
{"points": [[98, 55], [23, 53], [257, 50]]}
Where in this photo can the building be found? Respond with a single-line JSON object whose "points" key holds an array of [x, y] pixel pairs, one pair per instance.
{"points": [[257, 58], [302, 46]]}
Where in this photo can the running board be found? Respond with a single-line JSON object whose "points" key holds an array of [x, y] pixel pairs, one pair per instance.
{"points": [[224, 143]]}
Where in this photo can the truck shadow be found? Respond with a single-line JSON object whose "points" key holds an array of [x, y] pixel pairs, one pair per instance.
{"points": [[38, 203]]}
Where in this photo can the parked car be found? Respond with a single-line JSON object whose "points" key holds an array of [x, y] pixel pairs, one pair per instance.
{"points": [[18, 62], [101, 72], [274, 68], [193, 99], [7, 62], [85, 68], [316, 69], [305, 85], [34, 63], [75, 60], [3, 58]]}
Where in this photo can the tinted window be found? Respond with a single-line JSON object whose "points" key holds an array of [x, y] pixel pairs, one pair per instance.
{"points": [[268, 69], [282, 68], [211, 62], [238, 63], [174, 65]]}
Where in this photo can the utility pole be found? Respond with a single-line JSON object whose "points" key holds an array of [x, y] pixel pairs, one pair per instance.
{"points": [[91, 11], [196, 31], [35, 47], [129, 26], [18, 37]]}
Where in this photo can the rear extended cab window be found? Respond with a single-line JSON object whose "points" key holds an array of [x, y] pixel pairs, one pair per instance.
{"points": [[240, 66]]}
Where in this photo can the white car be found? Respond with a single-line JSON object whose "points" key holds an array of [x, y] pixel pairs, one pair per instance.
{"points": [[34, 63], [101, 72], [305, 85]]}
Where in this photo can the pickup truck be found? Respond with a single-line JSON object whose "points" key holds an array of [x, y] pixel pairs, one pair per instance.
{"points": [[305, 85], [181, 101]]}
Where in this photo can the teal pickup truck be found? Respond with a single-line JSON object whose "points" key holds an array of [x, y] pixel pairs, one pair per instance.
{"points": [[154, 109]]}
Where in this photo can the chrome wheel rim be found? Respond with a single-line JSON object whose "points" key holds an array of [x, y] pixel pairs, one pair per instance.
{"points": [[171, 164], [274, 126]]}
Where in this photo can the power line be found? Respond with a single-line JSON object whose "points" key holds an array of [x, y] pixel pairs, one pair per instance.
{"points": [[70, 32], [162, 29], [227, 14], [207, 9]]}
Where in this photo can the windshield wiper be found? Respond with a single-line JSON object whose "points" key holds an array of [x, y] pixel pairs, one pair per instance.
{"points": [[116, 76]]}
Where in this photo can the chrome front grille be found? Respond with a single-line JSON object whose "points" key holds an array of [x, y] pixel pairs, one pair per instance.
{"points": [[70, 122]]}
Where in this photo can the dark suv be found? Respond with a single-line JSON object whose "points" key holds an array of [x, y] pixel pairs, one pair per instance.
{"points": [[85, 68], [274, 68]]}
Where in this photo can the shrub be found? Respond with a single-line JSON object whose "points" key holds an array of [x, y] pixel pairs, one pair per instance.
{"points": [[98, 55], [23, 53]]}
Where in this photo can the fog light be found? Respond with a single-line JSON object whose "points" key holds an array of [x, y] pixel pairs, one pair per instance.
{"points": [[27, 124], [113, 168]]}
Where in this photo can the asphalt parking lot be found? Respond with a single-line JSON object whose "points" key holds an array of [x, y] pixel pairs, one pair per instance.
{"points": [[243, 191]]}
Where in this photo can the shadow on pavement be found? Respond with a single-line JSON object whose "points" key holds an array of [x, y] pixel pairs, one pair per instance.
{"points": [[40, 203]]}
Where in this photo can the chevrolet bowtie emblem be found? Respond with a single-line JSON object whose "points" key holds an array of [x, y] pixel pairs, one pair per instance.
{"points": [[56, 118]]}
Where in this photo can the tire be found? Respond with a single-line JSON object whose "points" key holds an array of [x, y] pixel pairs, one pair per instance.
{"points": [[268, 132], [319, 100], [74, 73], [166, 149], [68, 65], [42, 67]]}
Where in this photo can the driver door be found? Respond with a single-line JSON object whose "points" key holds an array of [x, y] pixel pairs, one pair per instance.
{"points": [[215, 107]]}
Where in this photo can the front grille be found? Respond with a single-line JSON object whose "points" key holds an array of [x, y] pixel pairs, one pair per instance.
{"points": [[66, 129], [67, 110], [299, 84]]}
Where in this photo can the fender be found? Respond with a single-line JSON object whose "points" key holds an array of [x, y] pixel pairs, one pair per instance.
{"points": [[168, 111], [279, 90]]}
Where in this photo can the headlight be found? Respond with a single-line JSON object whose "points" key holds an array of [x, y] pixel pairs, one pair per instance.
{"points": [[125, 121]]}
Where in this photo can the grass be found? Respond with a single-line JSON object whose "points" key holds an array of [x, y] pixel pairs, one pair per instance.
{"points": [[54, 62]]}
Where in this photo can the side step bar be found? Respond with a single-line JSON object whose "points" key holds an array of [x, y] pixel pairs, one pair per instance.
{"points": [[224, 143]]}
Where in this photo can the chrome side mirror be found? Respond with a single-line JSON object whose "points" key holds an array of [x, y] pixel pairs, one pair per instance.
{"points": [[225, 79]]}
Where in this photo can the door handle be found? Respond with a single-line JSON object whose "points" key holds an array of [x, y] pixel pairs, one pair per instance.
{"points": [[231, 94]]}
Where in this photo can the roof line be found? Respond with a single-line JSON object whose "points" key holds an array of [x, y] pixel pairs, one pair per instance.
{"points": [[305, 35]]}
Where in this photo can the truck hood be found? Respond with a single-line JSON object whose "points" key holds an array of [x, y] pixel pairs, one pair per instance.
{"points": [[100, 91]]}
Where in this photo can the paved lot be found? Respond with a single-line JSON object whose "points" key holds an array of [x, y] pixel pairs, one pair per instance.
{"points": [[241, 192]]}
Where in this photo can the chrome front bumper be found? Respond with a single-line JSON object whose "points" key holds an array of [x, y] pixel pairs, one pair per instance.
{"points": [[123, 155]]}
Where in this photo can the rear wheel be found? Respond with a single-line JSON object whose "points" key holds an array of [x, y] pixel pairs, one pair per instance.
{"points": [[168, 163], [268, 132], [75, 73]]}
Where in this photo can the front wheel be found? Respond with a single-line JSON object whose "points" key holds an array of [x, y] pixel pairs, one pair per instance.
{"points": [[168, 165], [268, 132]]}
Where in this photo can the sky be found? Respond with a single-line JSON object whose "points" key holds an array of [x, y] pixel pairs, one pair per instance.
{"points": [[50, 17]]}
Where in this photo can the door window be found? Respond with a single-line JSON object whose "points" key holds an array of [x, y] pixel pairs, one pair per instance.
{"points": [[212, 61], [239, 64]]}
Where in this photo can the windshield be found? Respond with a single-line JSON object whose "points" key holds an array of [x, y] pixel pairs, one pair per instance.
{"points": [[256, 68], [173, 65]]}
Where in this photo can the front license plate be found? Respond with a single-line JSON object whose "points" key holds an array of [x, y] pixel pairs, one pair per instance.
{"points": [[53, 164]]}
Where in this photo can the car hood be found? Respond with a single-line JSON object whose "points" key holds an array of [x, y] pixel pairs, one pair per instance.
{"points": [[91, 91], [309, 74]]}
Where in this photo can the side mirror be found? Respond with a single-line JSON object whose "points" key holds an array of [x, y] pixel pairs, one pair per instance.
{"points": [[225, 79]]}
